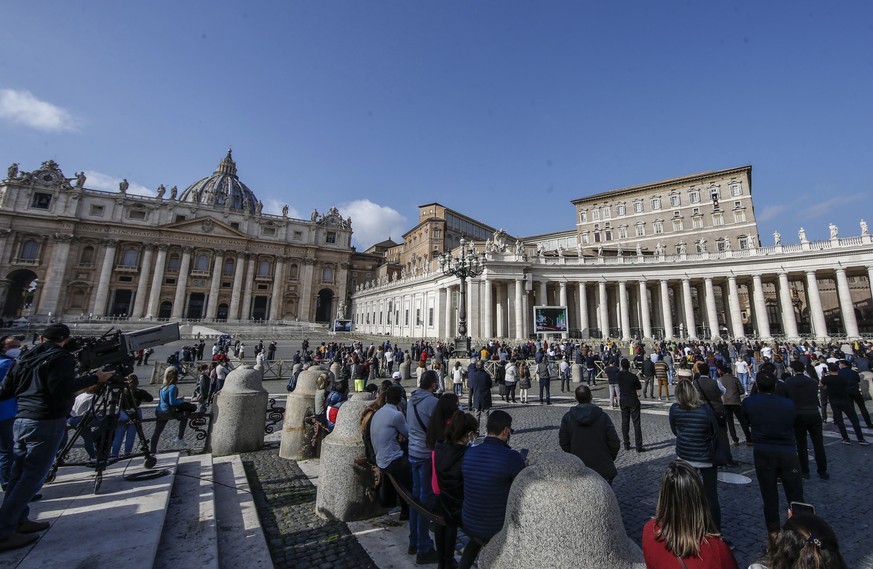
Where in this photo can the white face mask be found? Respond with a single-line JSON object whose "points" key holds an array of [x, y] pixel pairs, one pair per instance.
{"points": [[13, 353]]}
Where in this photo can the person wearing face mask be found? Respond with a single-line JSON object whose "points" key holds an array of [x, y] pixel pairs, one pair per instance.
{"points": [[10, 348], [45, 383]]}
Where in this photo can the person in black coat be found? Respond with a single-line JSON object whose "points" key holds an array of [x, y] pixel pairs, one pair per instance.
{"points": [[629, 402], [480, 387], [803, 391], [588, 432], [448, 458]]}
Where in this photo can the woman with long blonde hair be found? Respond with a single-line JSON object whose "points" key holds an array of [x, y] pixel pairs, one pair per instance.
{"points": [[683, 533]]}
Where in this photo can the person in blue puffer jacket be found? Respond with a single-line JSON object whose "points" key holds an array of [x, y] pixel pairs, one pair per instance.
{"points": [[10, 348]]}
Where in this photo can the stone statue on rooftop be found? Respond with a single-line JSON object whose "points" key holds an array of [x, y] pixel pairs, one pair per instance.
{"points": [[659, 249], [285, 210], [12, 171], [314, 215], [161, 190], [833, 230], [259, 207], [173, 192], [639, 250], [123, 185], [777, 238], [682, 249], [864, 229], [80, 179], [802, 235]]}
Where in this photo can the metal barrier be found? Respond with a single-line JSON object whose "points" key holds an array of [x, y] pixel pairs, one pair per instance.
{"points": [[275, 416]]}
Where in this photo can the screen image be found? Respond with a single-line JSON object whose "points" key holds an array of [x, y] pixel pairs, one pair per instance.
{"points": [[342, 325], [550, 319]]}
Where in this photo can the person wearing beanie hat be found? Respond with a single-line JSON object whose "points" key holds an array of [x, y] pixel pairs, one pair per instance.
{"points": [[45, 383]]}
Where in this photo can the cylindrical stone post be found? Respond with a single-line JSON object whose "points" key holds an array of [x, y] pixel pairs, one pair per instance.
{"points": [[240, 410], [337, 370], [576, 373], [867, 384], [296, 442], [342, 484], [404, 369]]}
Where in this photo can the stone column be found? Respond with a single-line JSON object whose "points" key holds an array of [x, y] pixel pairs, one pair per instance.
{"points": [[182, 284], [55, 278], [760, 308], [145, 268], [562, 300], [215, 285], [711, 315], [449, 315], [487, 329], [499, 298], [625, 311], [519, 312], [543, 293], [105, 276], [667, 314], [238, 272], [277, 299], [819, 324], [789, 321], [247, 293], [583, 310], [525, 308], [734, 305], [157, 281], [847, 308], [305, 289], [603, 309], [645, 316], [691, 326]]}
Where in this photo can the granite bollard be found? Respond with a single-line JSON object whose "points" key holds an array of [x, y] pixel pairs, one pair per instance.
{"points": [[342, 484], [867, 385], [404, 369], [240, 409], [576, 373], [296, 434], [561, 514]]}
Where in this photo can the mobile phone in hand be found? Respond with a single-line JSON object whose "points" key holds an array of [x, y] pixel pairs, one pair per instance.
{"points": [[802, 508], [523, 453]]}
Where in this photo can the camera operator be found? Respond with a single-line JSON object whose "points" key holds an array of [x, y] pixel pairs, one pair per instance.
{"points": [[44, 380]]}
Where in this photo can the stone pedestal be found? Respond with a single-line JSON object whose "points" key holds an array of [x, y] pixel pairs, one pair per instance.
{"points": [[404, 369], [240, 409], [336, 369], [561, 514], [299, 405], [296, 368], [576, 373], [342, 484]]}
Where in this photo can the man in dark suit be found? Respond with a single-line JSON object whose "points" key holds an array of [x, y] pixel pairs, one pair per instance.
{"points": [[480, 388], [803, 391], [629, 402]]}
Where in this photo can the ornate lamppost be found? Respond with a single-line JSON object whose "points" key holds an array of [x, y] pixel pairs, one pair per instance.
{"points": [[467, 264]]}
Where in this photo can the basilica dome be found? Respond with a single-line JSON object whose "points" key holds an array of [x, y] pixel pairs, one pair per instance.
{"points": [[223, 189]]}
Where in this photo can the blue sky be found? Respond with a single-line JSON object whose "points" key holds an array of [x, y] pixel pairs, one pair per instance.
{"points": [[504, 110]]}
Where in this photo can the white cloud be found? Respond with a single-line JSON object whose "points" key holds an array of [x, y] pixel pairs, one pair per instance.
{"points": [[274, 207], [771, 212], [107, 183], [22, 107], [372, 223]]}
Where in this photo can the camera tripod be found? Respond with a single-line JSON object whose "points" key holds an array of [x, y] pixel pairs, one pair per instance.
{"points": [[112, 398]]}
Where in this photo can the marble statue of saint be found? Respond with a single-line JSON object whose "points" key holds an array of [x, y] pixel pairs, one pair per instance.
{"points": [[620, 250], [777, 238], [314, 215], [702, 246], [519, 248], [682, 249], [341, 310], [541, 251], [173, 192], [864, 229], [12, 171], [123, 185], [259, 207], [600, 250], [489, 247], [80, 179], [659, 248], [802, 235], [285, 210], [560, 251], [834, 231], [578, 249], [753, 242], [161, 190], [639, 250]]}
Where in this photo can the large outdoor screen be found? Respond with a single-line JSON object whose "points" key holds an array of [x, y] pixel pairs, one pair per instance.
{"points": [[550, 319], [342, 325]]}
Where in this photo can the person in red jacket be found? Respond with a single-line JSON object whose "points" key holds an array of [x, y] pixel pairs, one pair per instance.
{"points": [[683, 533]]}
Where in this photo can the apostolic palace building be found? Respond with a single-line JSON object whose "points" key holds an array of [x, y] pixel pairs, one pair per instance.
{"points": [[677, 258]]}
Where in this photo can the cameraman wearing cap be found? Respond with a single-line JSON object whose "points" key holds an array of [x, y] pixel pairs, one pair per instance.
{"points": [[44, 380]]}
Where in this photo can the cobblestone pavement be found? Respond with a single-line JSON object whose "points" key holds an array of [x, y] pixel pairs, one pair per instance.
{"points": [[296, 536]]}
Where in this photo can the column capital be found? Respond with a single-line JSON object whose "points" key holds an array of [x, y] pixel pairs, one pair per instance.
{"points": [[109, 242], [163, 246], [63, 237], [188, 249]]}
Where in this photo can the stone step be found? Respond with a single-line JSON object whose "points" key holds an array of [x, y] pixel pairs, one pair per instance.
{"points": [[119, 527], [241, 541], [190, 529]]}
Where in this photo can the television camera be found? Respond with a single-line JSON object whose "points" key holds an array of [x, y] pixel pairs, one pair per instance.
{"points": [[114, 350]]}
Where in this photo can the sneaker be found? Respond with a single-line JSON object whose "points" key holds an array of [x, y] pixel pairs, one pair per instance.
{"points": [[864, 443], [30, 526], [428, 558], [846, 442], [17, 540], [641, 449]]}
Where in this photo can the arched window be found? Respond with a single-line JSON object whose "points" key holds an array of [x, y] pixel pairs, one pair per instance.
{"points": [[327, 275], [264, 268], [202, 264], [292, 273], [129, 257], [29, 250], [228, 266], [87, 255]]}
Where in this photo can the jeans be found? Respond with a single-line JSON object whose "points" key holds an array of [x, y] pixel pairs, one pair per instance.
{"points": [[744, 379], [628, 413], [769, 467], [649, 386], [36, 444], [591, 376], [126, 432], [162, 417], [565, 381], [810, 423], [458, 388], [710, 488], [87, 436], [7, 441], [422, 492], [614, 394], [545, 385]]}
